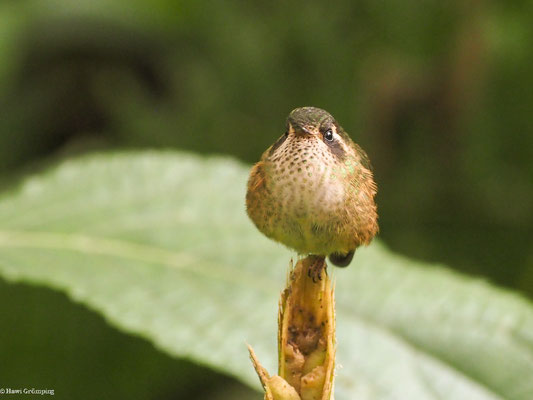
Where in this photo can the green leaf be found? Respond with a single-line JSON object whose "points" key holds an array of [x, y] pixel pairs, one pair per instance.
{"points": [[160, 244], [46, 341]]}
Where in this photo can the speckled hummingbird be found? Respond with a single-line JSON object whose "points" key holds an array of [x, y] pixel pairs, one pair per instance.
{"points": [[313, 190]]}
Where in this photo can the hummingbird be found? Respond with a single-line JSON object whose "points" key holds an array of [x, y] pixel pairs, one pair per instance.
{"points": [[313, 190]]}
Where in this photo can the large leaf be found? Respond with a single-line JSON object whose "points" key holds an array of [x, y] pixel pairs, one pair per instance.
{"points": [[46, 341], [160, 244]]}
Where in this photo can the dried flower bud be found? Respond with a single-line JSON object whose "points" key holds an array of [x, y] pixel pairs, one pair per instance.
{"points": [[306, 339]]}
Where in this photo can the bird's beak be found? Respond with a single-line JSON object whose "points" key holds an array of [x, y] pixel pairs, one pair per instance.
{"points": [[300, 130]]}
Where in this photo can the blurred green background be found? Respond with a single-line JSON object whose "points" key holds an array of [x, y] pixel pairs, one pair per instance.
{"points": [[440, 94]]}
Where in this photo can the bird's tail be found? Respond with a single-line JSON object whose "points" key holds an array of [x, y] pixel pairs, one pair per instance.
{"points": [[341, 260]]}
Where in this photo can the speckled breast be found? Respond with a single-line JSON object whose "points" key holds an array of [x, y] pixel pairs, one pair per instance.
{"points": [[309, 196]]}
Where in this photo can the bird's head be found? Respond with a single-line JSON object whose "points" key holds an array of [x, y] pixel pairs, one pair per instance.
{"points": [[316, 130]]}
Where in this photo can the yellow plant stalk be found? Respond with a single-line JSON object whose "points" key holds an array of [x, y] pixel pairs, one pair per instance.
{"points": [[306, 339]]}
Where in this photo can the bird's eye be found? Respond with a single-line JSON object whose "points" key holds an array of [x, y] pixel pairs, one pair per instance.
{"points": [[328, 135]]}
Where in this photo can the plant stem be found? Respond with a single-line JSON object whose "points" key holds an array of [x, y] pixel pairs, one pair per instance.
{"points": [[306, 339]]}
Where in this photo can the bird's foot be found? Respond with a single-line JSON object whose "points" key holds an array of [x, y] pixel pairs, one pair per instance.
{"points": [[316, 266]]}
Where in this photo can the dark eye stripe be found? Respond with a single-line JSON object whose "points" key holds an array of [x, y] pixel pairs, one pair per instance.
{"points": [[278, 143], [334, 145], [336, 149]]}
